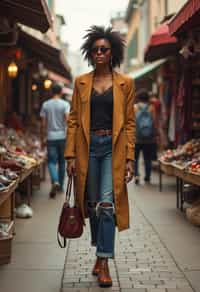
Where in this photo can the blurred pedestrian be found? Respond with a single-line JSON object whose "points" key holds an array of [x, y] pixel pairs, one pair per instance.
{"points": [[155, 102], [145, 134], [54, 116], [100, 145]]}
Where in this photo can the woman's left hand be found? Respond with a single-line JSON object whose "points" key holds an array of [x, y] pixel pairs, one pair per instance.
{"points": [[129, 171]]}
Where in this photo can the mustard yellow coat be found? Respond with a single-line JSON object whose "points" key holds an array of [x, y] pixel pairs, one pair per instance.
{"points": [[123, 138]]}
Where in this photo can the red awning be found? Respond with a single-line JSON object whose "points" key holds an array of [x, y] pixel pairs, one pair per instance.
{"points": [[187, 18], [161, 44], [35, 13]]}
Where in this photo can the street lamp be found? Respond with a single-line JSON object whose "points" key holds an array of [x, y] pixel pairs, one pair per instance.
{"points": [[12, 70]]}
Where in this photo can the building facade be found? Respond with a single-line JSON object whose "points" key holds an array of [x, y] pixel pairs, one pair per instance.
{"points": [[143, 17]]}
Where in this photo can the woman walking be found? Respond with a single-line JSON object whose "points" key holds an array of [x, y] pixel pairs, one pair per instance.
{"points": [[100, 143]]}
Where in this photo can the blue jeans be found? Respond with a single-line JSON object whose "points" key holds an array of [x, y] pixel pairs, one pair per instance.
{"points": [[147, 150], [100, 202], [56, 160]]}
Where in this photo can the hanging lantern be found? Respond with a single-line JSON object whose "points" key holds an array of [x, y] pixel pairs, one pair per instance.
{"points": [[47, 83], [34, 87], [12, 70]]}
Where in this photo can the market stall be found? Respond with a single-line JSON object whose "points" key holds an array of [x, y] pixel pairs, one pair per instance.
{"points": [[22, 163], [162, 45], [178, 40], [20, 158], [184, 164], [7, 202]]}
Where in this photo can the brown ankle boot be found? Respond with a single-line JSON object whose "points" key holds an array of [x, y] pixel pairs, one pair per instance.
{"points": [[96, 268], [104, 277]]}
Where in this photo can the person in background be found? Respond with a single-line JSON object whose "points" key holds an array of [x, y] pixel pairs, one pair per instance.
{"points": [[155, 102], [100, 144], [145, 134], [54, 116]]}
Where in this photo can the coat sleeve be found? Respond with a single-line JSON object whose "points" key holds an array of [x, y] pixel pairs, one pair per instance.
{"points": [[70, 149], [130, 121]]}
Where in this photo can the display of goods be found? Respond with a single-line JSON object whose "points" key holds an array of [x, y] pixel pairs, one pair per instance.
{"points": [[194, 166], [24, 148], [4, 229], [184, 154]]}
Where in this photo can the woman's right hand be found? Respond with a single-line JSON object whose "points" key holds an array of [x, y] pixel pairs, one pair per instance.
{"points": [[71, 169]]}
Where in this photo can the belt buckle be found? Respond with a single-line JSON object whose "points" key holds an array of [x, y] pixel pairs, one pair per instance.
{"points": [[107, 132], [102, 132]]}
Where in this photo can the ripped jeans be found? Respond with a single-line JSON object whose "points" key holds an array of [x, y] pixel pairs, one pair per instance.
{"points": [[100, 202]]}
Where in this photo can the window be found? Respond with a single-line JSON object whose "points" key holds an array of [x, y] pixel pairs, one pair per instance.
{"points": [[132, 51]]}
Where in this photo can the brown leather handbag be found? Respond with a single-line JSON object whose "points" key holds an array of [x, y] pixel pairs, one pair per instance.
{"points": [[71, 220]]}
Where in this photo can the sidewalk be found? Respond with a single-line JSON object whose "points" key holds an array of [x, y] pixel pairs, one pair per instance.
{"points": [[160, 253], [37, 261]]}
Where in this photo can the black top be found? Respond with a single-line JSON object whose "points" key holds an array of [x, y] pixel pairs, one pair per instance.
{"points": [[102, 110]]}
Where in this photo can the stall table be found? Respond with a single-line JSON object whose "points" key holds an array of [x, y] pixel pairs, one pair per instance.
{"points": [[182, 176], [7, 204], [166, 168], [26, 177]]}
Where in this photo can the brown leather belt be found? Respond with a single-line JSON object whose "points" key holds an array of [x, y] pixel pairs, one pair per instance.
{"points": [[102, 132]]}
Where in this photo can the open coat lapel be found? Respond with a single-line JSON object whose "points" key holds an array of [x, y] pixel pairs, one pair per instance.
{"points": [[85, 87], [118, 105], [85, 92]]}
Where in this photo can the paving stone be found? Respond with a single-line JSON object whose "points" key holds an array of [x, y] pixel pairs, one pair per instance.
{"points": [[142, 263], [134, 290], [189, 289], [99, 289], [157, 290], [75, 290]]}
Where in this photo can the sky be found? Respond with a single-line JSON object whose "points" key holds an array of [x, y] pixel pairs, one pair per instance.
{"points": [[81, 14]]}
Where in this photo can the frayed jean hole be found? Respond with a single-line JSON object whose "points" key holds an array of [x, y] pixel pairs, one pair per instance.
{"points": [[105, 206]]}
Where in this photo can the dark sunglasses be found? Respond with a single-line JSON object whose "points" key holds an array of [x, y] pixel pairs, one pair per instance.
{"points": [[102, 50]]}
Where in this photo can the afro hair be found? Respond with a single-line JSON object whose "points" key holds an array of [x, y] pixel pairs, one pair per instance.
{"points": [[116, 41]]}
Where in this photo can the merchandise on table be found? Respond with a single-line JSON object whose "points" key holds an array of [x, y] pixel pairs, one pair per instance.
{"points": [[4, 229], [194, 166], [18, 152], [186, 156]]}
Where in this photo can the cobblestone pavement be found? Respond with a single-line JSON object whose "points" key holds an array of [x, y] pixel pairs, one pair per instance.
{"points": [[142, 263]]}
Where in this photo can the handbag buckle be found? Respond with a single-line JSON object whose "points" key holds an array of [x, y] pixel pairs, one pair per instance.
{"points": [[72, 219]]}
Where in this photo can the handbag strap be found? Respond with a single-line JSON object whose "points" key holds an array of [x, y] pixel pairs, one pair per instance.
{"points": [[59, 241], [71, 181], [69, 188]]}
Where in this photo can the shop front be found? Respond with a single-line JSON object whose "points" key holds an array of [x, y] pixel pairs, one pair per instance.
{"points": [[24, 83], [183, 162]]}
